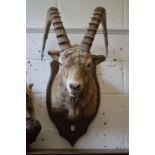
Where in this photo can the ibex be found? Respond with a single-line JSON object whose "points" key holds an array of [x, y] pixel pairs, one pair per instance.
{"points": [[74, 89]]}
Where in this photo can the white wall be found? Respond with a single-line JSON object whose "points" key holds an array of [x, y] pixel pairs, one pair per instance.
{"points": [[113, 73]]}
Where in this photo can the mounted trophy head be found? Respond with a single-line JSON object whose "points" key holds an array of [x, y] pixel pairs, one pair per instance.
{"points": [[73, 91]]}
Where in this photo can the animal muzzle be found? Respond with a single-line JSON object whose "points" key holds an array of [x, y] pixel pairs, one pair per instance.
{"points": [[74, 89]]}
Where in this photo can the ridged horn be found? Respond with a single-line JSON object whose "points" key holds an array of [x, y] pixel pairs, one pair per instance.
{"points": [[99, 15], [54, 18]]}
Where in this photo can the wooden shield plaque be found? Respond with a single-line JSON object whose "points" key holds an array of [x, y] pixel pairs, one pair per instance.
{"points": [[69, 129]]}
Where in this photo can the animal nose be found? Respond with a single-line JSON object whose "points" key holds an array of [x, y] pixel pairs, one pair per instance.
{"points": [[74, 86]]}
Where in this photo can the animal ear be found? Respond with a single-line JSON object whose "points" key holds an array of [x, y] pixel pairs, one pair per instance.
{"points": [[54, 54], [30, 86], [29, 89], [97, 59]]}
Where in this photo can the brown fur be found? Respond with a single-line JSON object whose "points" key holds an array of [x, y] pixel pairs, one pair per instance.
{"points": [[85, 104]]}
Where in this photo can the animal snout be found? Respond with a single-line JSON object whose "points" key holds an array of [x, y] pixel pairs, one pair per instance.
{"points": [[74, 86]]}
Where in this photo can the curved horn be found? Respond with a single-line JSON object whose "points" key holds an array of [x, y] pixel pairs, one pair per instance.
{"points": [[54, 18], [99, 15]]}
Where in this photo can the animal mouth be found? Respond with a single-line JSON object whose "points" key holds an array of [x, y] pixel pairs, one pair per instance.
{"points": [[74, 94]]}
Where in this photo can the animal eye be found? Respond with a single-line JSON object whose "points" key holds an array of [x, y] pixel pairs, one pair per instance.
{"points": [[89, 65]]}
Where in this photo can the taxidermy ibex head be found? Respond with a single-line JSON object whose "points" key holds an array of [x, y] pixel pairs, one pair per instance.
{"points": [[74, 89]]}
